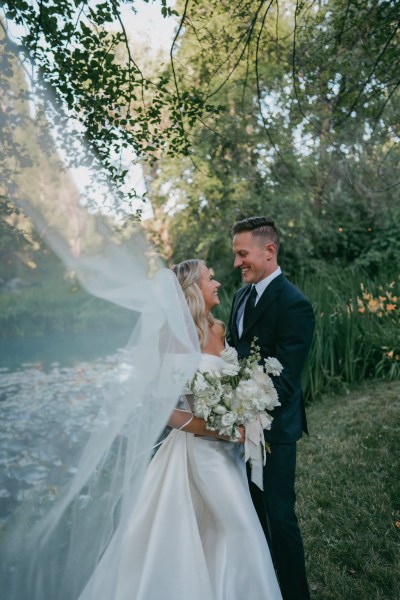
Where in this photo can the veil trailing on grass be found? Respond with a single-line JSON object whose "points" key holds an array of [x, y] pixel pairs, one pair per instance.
{"points": [[87, 444]]}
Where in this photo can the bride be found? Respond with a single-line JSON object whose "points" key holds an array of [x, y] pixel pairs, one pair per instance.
{"points": [[193, 531]]}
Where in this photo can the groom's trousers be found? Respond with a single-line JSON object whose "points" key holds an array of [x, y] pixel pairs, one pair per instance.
{"points": [[276, 510]]}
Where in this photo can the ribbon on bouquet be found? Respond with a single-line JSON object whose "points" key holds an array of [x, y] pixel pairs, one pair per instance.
{"points": [[254, 447]]}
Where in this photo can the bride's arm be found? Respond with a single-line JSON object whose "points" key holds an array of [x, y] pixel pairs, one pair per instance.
{"points": [[186, 421]]}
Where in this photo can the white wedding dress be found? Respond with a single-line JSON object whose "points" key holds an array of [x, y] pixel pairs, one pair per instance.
{"points": [[194, 532]]}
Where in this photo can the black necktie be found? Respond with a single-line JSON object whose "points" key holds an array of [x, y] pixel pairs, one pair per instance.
{"points": [[250, 304]]}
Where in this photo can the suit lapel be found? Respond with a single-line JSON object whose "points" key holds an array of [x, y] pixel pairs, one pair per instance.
{"points": [[267, 298]]}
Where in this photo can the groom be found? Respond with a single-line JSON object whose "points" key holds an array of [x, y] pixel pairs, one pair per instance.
{"points": [[282, 319]]}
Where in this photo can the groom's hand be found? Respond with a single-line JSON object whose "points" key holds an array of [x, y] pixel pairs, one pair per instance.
{"points": [[242, 432], [239, 440]]}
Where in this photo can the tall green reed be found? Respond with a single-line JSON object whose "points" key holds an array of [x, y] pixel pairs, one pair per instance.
{"points": [[356, 336]]}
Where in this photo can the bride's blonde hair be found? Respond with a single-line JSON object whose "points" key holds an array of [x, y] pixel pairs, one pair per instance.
{"points": [[188, 273]]}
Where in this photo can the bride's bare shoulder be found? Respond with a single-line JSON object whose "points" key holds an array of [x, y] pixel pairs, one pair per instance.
{"points": [[219, 328]]}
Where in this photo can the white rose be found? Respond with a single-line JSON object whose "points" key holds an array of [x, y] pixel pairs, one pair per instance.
{"points": [[220, 409], [228, 419], [230, 355], [273, 366], [230, 370]]}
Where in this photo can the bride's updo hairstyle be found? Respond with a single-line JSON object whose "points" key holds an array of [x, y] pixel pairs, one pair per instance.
{"points": [[188, 274]]}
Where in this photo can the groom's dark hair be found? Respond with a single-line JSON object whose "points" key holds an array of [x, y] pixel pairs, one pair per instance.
{"points": [[261, 227]]}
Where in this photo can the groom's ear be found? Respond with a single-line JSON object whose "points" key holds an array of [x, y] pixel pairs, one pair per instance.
{"points": [[270, 249]]}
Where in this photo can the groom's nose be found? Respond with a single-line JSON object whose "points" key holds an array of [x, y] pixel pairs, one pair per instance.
{"points": [[237, 262]]}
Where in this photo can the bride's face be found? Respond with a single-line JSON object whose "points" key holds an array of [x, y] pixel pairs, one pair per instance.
{"points": [[209, 287]]}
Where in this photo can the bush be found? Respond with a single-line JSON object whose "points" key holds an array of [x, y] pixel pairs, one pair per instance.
{"points": [[56, 307]]}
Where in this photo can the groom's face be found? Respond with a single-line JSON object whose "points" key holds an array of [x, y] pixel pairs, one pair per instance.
{"points": [[254, 258]]}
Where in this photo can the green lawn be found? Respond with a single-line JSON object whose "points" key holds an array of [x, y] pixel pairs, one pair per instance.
{"points": [[349, 494]]}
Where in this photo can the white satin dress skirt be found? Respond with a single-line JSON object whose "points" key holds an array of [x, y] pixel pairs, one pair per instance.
{"points": [[193, 533]]}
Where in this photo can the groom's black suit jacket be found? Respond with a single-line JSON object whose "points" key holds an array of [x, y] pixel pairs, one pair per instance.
{"points": [[283, 322]]}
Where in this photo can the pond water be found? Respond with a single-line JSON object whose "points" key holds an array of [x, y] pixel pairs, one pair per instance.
{"points": [[66, 348], [50, 392]]}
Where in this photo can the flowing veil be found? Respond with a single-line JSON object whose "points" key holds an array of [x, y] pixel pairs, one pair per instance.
{"points": [[56, 533]]}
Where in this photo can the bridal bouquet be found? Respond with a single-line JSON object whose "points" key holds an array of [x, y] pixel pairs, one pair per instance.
{"points": [[240, 393]]}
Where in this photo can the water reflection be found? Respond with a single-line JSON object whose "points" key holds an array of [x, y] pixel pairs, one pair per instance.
{"points": [[47, 413], [68, 348]]}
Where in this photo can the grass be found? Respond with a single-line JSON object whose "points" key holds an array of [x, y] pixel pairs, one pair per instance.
{"points": [[348, 490]]}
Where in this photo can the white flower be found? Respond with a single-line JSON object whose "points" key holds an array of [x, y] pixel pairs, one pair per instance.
{"points": [[228, 419], [214, 397], [247, 389], [199, 384], [261, 378], [273, 366], [201, 409], [230, 355], [236, 393], [212, 372], [220, 409], [268, 384], [230, 370], [228, 395], [271, 399]]}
